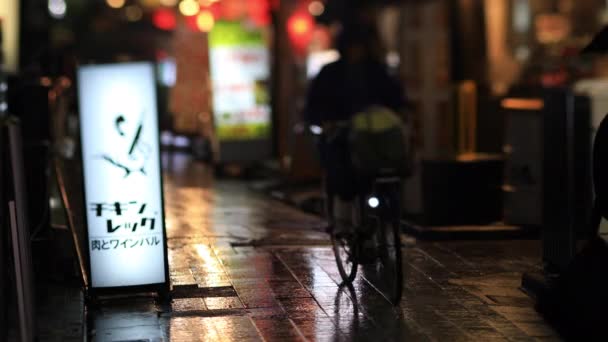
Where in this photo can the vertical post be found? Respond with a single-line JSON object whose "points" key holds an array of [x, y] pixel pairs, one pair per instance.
{"points": [[21, 235], [566, 159], [469, 60], [461, 120], [283, 82], [468, 55], [20, 285], [571, 182], [467, 117], [3, 236], [3, 280], [554, 218]]}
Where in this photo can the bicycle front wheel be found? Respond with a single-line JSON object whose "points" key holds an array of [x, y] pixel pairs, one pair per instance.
{"points": [[391, 269]]}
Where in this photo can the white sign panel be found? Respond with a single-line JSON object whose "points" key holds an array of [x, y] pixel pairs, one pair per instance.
{"points": [[123, 193]]}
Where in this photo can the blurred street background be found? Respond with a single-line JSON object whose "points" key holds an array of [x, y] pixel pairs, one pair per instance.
{"points": [[504, 108]]}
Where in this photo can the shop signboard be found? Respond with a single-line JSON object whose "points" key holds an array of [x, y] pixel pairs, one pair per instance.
{"points": [[122, 175], [239, 64], [9, 34]]}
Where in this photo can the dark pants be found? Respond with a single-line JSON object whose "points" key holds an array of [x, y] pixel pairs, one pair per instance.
{"points": [[340, 175]]}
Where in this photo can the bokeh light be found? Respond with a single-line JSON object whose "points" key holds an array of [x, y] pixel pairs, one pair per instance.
{"points": [[134, 13], [164, 19], [57, 8], [300, 25], [189, 7], [116, 3], [205, 21], [316, 8]]}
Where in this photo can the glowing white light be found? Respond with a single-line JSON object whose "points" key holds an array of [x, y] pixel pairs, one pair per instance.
{"points": [[316, 130], [392, 59], [3, 86], [167, 72], [54, 203], [3, 106], [166, 138], [57, 8], [373, 202], [189, 7], [181, 141]]}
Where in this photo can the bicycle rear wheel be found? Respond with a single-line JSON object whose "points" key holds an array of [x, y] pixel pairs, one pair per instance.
{"points": [[391, 269], [345, 246]]}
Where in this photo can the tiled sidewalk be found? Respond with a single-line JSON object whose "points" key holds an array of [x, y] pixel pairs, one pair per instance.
{"points": [[247, 268], [68, 324]]}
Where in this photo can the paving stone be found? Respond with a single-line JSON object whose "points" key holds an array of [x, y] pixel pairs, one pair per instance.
{"points": [[188, 304], [286, 288], [277, 329], [221, 303], [136, 333]]}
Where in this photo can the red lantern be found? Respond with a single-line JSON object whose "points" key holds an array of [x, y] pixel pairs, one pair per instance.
{"points": [[300, 27], [275, 4], [259, 12], [164, 19], [191, 23], [215, 9], [234, 9]]}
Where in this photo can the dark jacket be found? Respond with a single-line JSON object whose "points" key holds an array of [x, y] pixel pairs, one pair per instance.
{"points": [[340, 90]]}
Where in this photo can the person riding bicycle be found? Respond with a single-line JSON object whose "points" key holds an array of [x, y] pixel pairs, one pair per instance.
{"points": [[357, 82]]}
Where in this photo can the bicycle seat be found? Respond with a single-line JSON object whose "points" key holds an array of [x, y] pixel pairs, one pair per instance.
{"points": [[388, 171], [387, 175]]}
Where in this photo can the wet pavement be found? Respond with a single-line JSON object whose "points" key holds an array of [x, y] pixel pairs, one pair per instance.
{"points": [[245, 267]]}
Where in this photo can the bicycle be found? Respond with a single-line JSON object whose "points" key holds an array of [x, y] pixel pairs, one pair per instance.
{"points": [[377, 212], [378, 222]]}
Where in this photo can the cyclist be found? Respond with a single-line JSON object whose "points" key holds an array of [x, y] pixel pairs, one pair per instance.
{"points": [[359, 80]]}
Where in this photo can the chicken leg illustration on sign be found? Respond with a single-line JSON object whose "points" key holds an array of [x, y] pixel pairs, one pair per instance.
{"points": [[134, 157]]}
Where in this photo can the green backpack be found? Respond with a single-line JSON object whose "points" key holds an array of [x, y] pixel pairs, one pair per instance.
{"points": [[379, 142]]}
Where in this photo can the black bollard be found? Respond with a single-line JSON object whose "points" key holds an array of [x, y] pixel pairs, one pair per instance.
{"points": [[579, 302]]}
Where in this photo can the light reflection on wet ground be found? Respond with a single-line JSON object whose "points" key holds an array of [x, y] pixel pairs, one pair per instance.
{"points": [[265, 271]]}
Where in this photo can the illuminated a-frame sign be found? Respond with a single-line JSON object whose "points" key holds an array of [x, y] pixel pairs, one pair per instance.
{"points": [[122, 175]]}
